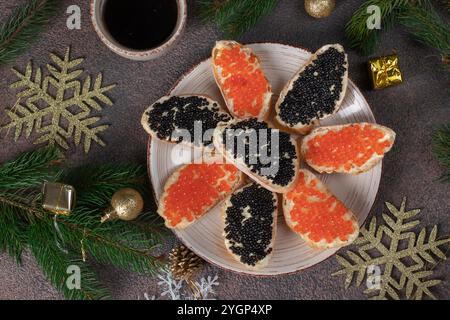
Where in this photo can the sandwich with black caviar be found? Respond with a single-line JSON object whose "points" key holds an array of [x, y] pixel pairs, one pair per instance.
{"points": [[269, 156], [184, 119], [315, 92], [250, 219]]}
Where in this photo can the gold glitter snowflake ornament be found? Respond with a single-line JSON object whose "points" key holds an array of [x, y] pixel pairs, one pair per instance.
{"points": [[403, 259], [58, 106]]}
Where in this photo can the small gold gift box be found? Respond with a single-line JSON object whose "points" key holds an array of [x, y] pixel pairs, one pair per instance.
{"points": [[58, 198], [385, 71]]}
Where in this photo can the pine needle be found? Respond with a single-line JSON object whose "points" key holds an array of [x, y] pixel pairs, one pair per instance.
{"points": [[441, 143], [23, 27], [235, 17]]}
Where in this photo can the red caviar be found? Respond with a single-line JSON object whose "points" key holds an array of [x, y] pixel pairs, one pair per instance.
{"points": [[352, 145], [317, 212], [242, 83], [198, 187]]}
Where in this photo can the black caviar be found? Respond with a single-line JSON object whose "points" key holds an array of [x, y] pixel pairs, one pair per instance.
{"points": [[170, 117], [276, 162], [249, 223], [316, 90]]}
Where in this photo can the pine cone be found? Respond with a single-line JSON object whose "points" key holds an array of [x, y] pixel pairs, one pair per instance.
{"points": [[183, 263]]}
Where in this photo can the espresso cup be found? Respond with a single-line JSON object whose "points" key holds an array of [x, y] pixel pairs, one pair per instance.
{"points": [[98, 20]]}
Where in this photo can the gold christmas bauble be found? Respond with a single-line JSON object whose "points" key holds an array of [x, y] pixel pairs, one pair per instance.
{"points": [[126, 204], [319, 8]]}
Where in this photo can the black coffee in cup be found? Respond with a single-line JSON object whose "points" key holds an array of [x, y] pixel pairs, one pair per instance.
{"points": [[140, 24]]}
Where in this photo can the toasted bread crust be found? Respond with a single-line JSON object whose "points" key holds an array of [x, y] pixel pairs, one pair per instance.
{"points": [[266, 183], [301, 128], [174, 179], [228, 44], [368, 165], [288, 206]]}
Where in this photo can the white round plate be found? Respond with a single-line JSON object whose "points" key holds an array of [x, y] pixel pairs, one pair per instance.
{"points": [[291, 254]]}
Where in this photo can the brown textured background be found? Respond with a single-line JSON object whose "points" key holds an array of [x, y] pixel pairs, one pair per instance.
{"points": [[412, 109]]}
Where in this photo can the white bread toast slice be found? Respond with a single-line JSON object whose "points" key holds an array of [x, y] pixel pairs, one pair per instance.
{"points": [[315, 92], [350, 148], [250, 220], [279, 172], [189, 192], [247, 94], [317, 216], [177, 119]]}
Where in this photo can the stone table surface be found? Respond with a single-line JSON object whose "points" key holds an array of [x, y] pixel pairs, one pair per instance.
{"points": [[413, 109]]}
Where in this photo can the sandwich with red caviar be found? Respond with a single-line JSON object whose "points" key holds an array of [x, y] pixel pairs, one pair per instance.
{"points": [[350, 148], [315, 214], [239, 75], [192, 190]]}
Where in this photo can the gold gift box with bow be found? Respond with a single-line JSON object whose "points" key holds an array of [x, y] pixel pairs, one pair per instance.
{"points": [[58, 198], [385, 71]]}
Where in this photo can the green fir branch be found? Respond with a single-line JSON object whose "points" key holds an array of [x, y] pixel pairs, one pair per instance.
{"points": [[23, 27], [235, 17], [363, 38], [115, 243], [55, 263], [126, 250], [427, 27], [446, 4], [13, 238], [441, 148], [94, 184], [416, 15], [60, 241], [30, 169]]}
